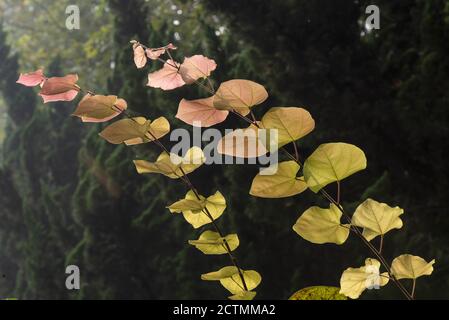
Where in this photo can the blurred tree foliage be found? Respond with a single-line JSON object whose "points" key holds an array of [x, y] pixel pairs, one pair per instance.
{"points": [[70, 198]]}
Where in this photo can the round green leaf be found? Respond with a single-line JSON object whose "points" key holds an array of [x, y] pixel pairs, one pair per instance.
{"points": [[332, 162]]}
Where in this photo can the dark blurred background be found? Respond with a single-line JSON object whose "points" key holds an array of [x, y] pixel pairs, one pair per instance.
{"points": [[67, 197]]}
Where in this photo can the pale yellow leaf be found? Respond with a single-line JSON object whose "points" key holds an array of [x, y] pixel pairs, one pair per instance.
{"points": [[407, 266], [291, 123], [320, 226], [332, 162], [356, 280], [278, 181], [210, 242], [172, 166], [229, 278], [376, 218]]}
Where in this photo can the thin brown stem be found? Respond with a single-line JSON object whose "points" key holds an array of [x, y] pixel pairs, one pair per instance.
{"points": [[413, 288], [381, 243], [190, 186], [355, 229], [331, 200]]}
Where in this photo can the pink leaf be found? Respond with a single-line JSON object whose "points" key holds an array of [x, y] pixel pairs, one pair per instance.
{"points": [[196, 67], [201, 112], [32, 79], [65, 96], [140, 58], [166, 78], [154, 54], [57, 85]]}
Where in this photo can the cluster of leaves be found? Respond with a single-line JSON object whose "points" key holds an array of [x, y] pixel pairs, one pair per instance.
{"points": [[329, 163]]}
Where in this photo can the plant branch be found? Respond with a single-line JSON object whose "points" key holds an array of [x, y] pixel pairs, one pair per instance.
{"points": [[190, 186]]}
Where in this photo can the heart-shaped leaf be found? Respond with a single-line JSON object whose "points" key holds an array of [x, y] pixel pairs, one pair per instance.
{"points": [[320, 226], [201, 112], [167, 78], [278, 181], [407, 266], [332, 162], [356, 280], [376, 218], [196, 67], [292, 123], [211, 243], [239, 95]]}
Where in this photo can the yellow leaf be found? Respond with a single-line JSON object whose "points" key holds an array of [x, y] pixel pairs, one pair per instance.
{"points": [[186, 204], [270, 183], [376, 218], [172, 165], [99, 108], [318, 293], [242, 143], [320, 226], [211, 243], [135, 131], [355, 280], [292, 123], [407, 266], [239, 95], [246, 295], [193, 209], [332, 162], [159, 128], [229, 278]]}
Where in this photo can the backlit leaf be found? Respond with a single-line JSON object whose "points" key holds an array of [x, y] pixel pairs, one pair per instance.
{"points": [[31, 79], [60, 88], [356, 280], [167, 78], [318, 293], [211, 243], [172, 165], [193, 209], [407, 266], [292, 123], [239, 95], [99, 108], [140, 57], [243, 143], [332, 162], [230, 279], [200, 112], [196, 67], [320, 226], [57, 85], [280, 183], [66, 96], [135, 131], [376, 218], [155, 53]]}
